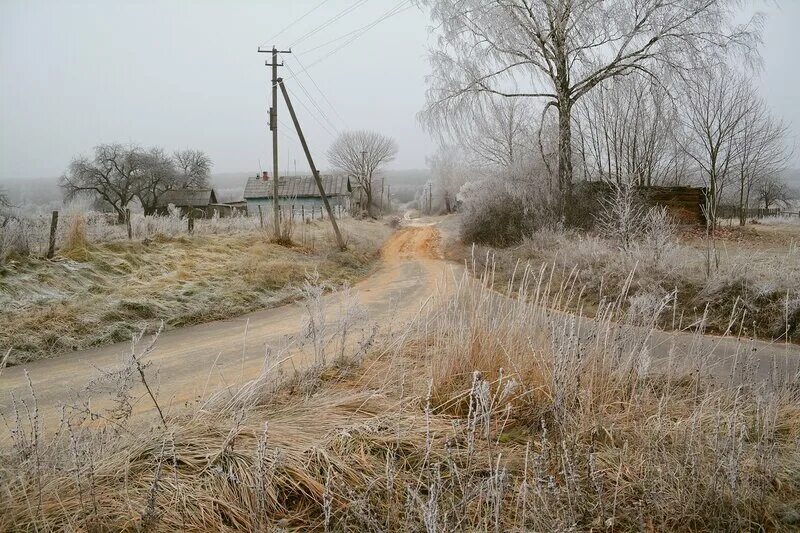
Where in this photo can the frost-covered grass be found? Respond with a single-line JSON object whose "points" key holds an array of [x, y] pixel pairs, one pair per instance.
{"points": [[746, 282], [28, 234], [92, 294], [792, 220], [484, 414]]}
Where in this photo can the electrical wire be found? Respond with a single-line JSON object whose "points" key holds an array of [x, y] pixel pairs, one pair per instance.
{"points": [[327, 23], [321, 92], [311, 99], [403, 6], [291, 24]]}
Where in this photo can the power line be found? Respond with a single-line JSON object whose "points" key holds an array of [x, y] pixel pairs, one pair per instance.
{"points": [[271, 39], [313, 115], [398, 8], [403, 6], [312, 100], [308, 75], [330, 21]]}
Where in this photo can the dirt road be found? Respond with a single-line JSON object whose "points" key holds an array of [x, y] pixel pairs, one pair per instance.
{"points": [[408, 274], [411, 271]]}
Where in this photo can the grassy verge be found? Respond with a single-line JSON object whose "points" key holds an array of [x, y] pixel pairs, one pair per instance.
{"points": [[96, 294], [487, 414], [751, 287]]}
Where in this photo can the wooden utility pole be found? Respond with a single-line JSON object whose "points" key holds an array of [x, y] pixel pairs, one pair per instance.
{"points": [[273, 126], [314, 170]]}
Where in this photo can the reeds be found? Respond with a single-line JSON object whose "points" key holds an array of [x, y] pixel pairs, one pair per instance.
{"points": [[484, 413]]}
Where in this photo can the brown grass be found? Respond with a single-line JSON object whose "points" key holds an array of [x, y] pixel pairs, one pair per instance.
{"points": [[486, 414]]}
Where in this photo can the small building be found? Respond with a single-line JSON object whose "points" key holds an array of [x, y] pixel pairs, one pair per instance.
{"points": [[686, 205], [202, 203], [301, 192]]}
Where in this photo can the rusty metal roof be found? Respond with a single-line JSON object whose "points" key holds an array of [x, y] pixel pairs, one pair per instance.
{"points": [[296, 187], [188, 198]]}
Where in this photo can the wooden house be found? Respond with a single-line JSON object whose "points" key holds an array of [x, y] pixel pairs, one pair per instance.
{"points": [[298, 191]]}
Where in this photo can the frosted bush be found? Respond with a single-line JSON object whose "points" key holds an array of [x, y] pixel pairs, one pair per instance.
{"points": [[622, 217]]}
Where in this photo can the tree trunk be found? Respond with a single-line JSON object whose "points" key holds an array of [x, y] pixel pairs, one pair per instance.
{"points": [[742, 217], [565, 154]]}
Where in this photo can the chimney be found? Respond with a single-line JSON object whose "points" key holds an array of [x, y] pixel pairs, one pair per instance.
{"points": [[265, 176]]}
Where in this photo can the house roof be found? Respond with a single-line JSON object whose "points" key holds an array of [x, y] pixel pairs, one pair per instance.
{"points": [[296, 187], [188, 198]]}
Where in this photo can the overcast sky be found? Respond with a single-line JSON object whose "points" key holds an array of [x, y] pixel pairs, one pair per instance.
{"points": [[186, 74]]}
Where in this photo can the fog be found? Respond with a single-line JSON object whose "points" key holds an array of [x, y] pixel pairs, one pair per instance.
{"points": [[186, 74]]}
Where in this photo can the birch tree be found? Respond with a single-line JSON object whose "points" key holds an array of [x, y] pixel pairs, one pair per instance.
{"points": [[560, 50]]}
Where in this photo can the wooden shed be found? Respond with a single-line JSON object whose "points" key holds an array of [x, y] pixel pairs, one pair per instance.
{"points": [[685, 204]]}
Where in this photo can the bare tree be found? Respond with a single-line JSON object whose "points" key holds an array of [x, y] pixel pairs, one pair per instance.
{"points": [[716, 107], [5, 208], [628, 130], [361, 154], [773, 191], [559, 50], [761, 152], [447, 168], [156, 176], [111, 176], [194, 168]]}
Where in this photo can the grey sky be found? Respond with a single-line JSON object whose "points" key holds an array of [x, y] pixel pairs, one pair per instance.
{"points": [[185, 74]]}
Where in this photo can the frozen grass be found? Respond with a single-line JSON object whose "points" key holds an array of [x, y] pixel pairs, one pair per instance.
{"points": [[756, 285], [26, 235], [484, 414], [789, 219], [93, 294]]}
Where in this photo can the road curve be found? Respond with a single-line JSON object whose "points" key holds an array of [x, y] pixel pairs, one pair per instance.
{"points": [[214, 355], [408, 274]]}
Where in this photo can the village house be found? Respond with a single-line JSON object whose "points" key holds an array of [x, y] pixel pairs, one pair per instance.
{"points": [[300, 192], [201, 203]]}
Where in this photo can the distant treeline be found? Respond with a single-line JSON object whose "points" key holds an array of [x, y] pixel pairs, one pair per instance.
{"points": [[44, 193]]}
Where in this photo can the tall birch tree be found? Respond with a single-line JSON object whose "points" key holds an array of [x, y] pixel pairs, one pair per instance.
{"points": [[560, 50]]}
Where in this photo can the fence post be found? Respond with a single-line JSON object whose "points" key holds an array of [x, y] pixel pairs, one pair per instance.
{"points": [[191, 221], [260, 216], [51, 249], [128, 223]]}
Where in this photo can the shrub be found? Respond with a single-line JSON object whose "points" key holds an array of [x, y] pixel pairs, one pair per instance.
{"points": [[497, 215]]}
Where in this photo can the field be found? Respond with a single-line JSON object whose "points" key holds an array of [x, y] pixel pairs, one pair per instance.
{"points": [[104, 288], [745, 282], [483, 413]]}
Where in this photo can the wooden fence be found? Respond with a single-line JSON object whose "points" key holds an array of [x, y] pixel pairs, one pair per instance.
{"points": [[732, 211]]}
